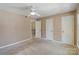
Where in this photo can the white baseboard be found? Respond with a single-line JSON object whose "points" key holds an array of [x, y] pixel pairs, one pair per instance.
{"points": [[61, 42], [5, 46]]}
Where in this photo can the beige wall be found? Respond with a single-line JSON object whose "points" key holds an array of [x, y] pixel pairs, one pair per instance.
{"points": [[78, 30], [57, 28], [13, 28]]}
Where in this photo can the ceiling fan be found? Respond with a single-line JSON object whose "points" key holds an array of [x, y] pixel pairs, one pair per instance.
{"points": [[33, 13]]}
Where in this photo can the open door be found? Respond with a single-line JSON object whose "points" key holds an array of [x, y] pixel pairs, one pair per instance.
{"points": [[38, 29], [33, 29]]}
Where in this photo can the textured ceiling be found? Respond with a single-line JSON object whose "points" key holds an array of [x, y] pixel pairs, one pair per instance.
{"points": [[44, 9]]}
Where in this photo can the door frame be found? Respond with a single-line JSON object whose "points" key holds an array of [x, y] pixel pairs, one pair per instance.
{"points": [[73, 28], [51, 29]]}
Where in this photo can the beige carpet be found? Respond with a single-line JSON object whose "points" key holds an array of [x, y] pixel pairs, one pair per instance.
{"points": [[45, 47]]}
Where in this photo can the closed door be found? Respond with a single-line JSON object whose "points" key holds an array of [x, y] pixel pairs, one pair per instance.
{"points": [[67, 29], [38, 29], [49, 29]]}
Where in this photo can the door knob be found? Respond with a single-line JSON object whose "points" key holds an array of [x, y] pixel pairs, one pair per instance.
{"points": [[62, 31]]}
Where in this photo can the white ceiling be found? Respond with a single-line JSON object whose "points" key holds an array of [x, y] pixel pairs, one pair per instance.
{"points": [[44, 9]]}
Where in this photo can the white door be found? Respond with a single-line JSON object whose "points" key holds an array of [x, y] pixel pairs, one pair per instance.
{"points": [[67, 28], [38, 29], [49, 29]]}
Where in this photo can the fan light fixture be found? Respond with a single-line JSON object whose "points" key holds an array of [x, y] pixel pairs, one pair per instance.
{"points": [[34, 14]]}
